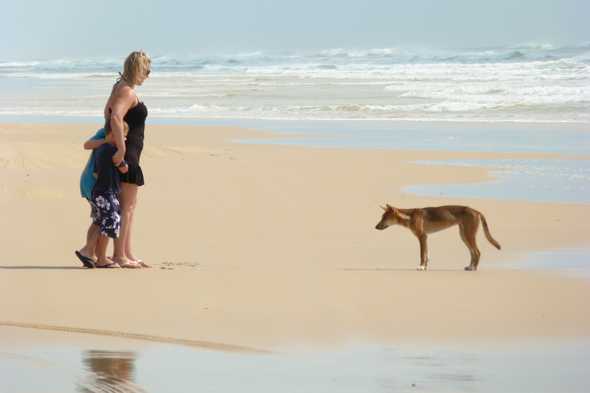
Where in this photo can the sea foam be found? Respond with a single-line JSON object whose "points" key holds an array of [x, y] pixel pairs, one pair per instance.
{"points": [[525, 82]]}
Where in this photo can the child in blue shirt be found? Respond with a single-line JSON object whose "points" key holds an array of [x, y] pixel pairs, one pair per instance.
{"points": [[105, 200], [87, 254]]}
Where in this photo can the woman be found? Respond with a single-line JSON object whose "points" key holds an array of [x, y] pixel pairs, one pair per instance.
{"points": [[124, 106]]}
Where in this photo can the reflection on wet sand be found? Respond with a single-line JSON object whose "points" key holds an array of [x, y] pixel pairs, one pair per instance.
{"points": [[524, 365], [108, 371]]}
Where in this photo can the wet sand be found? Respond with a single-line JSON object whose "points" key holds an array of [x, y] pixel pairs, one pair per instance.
{"points": [[531, 365]]}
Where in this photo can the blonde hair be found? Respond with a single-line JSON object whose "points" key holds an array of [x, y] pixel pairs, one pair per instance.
{"points": [[138, 63]]}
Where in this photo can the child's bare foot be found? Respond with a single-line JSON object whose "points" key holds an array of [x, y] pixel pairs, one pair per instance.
{"points": [[86, 260], [106, 263], [87, 254]]}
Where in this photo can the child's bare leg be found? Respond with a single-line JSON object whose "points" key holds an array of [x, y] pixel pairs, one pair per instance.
{"points": [[101, 251], [89, 249]]}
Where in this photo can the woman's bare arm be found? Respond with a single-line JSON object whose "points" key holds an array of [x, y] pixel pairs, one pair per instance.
{"points": [[107, 106], [122, 99]]}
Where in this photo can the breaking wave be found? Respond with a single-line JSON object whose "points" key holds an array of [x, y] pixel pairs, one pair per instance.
{"points": [[525, 82]]}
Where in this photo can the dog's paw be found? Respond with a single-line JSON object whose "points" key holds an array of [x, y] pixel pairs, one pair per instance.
{"points": [[421, 268]]}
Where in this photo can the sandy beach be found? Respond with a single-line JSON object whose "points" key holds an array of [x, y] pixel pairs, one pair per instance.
{"points": [[263, 247]]}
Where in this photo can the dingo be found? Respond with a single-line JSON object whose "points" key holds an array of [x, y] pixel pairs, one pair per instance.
{"points": [[433, 219]]}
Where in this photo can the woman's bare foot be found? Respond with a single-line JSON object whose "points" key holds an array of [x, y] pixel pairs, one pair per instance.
{"points": [[142, 263], [137, 260], [126, 263]]}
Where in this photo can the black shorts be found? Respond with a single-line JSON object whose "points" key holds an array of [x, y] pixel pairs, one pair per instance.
{"points": [[106, 213], [134, 175]]}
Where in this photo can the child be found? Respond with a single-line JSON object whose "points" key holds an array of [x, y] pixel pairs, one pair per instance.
{"points": [[105, 199], [87, 254]]}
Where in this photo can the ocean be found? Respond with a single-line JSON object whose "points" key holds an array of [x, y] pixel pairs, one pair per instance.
{"points": [[521, 83], [523, 98]]}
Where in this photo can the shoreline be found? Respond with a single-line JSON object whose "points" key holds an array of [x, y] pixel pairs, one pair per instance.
{"points": [[582, 126], [274, 273]]}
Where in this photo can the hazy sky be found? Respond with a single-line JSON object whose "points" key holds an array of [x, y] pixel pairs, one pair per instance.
{"points": [[40, 29]]}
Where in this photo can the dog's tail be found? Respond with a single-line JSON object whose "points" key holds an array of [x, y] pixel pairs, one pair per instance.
{"points": [[487, 232]]}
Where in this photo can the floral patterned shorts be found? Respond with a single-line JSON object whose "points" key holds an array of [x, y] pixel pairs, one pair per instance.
{"points": [[106, 213]]}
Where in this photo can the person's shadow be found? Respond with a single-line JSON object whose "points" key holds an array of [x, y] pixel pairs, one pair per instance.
{"points": [[108, 371], [46, 267]]}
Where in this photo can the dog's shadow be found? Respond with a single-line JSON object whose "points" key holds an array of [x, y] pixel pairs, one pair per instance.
{"points": [[394, 269]]}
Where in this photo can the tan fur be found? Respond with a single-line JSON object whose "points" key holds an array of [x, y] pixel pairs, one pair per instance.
{"points": [[423, 221]]}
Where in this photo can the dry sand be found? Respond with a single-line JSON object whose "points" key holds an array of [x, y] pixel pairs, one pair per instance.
{"points": [[267, 246]]}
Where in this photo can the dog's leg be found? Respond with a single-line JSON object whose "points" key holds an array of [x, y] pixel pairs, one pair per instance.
{"points": [[464, 238], [468, 232], [423, 252], [472, 237], [417, 227]]}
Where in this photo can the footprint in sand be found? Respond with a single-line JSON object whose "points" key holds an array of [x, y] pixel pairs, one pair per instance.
{"points": [[168, 265]]}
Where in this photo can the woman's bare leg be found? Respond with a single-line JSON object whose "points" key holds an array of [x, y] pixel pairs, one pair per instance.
{"points": [[128, 252], [128, 242], [130, 255], [127, 199]]}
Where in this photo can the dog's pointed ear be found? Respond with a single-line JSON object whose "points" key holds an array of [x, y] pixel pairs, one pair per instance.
{"points": [[383, 207], [389, 207]]}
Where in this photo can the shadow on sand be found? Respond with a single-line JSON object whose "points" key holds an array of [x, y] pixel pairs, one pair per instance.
{"points": [[31, 267]]}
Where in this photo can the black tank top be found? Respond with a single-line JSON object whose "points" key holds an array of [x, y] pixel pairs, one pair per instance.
{"points": [[135, 118]]}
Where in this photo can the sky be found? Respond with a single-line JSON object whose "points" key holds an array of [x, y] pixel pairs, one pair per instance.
{"points": [[40, 29]]}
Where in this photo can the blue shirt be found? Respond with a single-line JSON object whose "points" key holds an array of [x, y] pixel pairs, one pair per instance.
{"points": [[87, 180]]}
